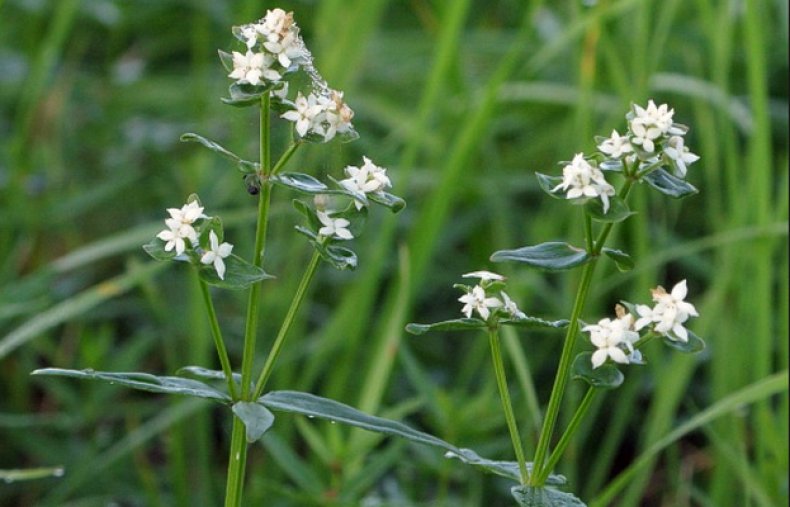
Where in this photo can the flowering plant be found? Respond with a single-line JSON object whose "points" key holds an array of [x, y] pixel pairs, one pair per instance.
{"points": [[653, 152]]}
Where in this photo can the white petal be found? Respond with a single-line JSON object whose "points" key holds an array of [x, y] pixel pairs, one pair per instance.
{"points": [[618, 355], [599, 357], [680, 290]]}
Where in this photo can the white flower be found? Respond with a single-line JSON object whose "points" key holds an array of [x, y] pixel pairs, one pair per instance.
{"points": [[615, 146], [660, 117], [175, 235], [252, 68], [216, 253], [188, 213], [485, 276], [286, 50], [334, 226], [307, 116], [367, 179], [476, 300], [511, 307], [644, 133], [581, 179], [613, 338], [250, 34], [679, 152], [338, 115], [669, 313]]}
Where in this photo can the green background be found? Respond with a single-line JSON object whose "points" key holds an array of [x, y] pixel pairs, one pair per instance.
{"points": [[463, 101]]}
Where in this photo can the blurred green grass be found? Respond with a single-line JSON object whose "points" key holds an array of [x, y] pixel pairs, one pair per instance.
{"points": [[463, 101]]}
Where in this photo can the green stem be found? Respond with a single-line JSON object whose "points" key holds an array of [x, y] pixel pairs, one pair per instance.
{"points": [[238, 444], [218, 341], [301, 291], [565, 439], [563, 372], [507, 406], [285, 157]]}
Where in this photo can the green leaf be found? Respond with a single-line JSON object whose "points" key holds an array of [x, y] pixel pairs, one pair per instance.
{"points": [[226, 59], [314, 406], [670, 185], [549, 183], [206, 374], [606, 376], [256, 418], [339, 257], [693, 345], [617, 212], [393, 202], [527, 496], [239, 274], [447, 325], [611, 164], [533, 322], [245, 166], [551, 256], [243, 95], [622, 260], [143, 382], [507, 469], [301, 183], [156, 249]]}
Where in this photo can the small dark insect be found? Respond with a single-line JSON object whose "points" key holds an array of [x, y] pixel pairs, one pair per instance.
{"points": [[253, 184]]}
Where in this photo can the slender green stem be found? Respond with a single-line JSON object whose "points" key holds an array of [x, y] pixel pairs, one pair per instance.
{"points": [[218, 341], [301, 291], [285, 157], [607, 228], [565, 439], [563, 372], [507, 406], [238, 444], [236, 464]]}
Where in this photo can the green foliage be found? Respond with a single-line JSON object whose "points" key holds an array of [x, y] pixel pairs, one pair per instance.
{"points": [[606, 376], [551, 256], [544, 497]]}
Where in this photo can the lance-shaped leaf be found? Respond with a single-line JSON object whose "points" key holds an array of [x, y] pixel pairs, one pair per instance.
{"points": [[670, 185], [447, 325], [393, 202], [549, 183], [622, 260], [315, 406], [551, 256], [527, 496], [243, 95], [606, 376], [156, 249], [206, 374], [245, 166], [239, 274], [534, 322], [611, 164], [256, 418], [341, 258], [693, 345], [617, 212], [143, 382]]}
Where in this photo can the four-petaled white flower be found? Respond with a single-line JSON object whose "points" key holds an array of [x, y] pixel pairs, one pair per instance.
{"points": [[614, 339], [216, 253], [476, 300], [659, 116], [669, 313], [175, 235], [485, 276], [511, 307], [615, 146], [334, 227], [680, 154], [188, 213], [307, 116], [644, 134], [367, 179], [252, 68], [582, 179]]}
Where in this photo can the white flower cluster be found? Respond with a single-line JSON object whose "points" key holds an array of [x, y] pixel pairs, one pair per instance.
{"points": [[651, 132], [273, 46], [322, 115], [615, 338], [669, 314], [478, 300], [368, 179], [581, 179], [181, 227]]}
